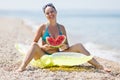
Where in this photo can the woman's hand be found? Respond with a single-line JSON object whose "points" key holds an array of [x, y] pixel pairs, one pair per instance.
{"points": [[47, 47], [63, 47]]}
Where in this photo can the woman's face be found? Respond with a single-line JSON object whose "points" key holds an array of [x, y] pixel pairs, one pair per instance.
{"points": [[50, 13]]}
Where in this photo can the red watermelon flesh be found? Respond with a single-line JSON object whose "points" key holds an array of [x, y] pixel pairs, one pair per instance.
{"points": [[57, 42]]}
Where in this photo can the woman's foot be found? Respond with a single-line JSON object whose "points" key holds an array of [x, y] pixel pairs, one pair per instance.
{"points": [[103, 68], [20, 70], [107, 70]]}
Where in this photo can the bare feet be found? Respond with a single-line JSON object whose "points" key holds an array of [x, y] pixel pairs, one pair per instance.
{"points": [[106, 69], [103, 68], [20, 70], [22, 67]]}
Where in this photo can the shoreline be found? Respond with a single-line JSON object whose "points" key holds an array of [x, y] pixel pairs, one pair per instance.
{"points": [[13, 30]]}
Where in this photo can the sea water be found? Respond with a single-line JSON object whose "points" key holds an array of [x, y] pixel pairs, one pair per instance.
{"points": [[98, 31]]}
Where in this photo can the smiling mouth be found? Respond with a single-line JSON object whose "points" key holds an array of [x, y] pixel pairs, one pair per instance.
{"points": [[51, 16]]}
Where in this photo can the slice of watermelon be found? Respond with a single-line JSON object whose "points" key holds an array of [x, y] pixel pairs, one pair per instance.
{"points": [[56, 43]]}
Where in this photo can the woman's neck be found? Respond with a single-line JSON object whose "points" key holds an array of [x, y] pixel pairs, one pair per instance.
{"points": [[52, 24]]}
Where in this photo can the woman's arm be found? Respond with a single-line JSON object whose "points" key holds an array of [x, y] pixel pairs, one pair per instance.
{"points": [[66, 44], [38, 33]]}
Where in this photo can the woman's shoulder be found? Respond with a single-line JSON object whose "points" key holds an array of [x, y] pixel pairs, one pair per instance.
{"points": [[61, 26], [42, 26]]}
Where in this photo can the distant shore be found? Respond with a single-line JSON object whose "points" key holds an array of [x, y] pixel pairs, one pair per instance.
{"points": [[13, 30]]}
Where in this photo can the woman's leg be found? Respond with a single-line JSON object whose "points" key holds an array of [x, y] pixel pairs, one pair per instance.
{"points": [[80, 49], [34, 52]]}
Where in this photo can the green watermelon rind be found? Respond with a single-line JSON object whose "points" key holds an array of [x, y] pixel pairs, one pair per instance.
{"points": [[57, 46]]}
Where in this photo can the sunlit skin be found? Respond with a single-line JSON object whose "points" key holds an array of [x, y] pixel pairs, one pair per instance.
{"points": [[36, 50]]}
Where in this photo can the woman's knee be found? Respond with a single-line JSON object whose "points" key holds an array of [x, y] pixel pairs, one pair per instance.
{"points": [[34, 44], [79, 45], [76, 47]]}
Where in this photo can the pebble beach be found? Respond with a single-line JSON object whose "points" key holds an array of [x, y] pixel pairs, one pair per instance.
{"points": [[13, 30]]}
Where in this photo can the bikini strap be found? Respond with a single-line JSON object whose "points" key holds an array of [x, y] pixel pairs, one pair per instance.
{"points": [[46, 33], [60, 32]]}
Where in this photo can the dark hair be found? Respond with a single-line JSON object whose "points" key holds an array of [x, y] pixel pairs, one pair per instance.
{"points": [[50, 5]]}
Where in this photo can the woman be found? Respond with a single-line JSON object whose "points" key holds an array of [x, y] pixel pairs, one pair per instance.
{"points": [[53, 29]]}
